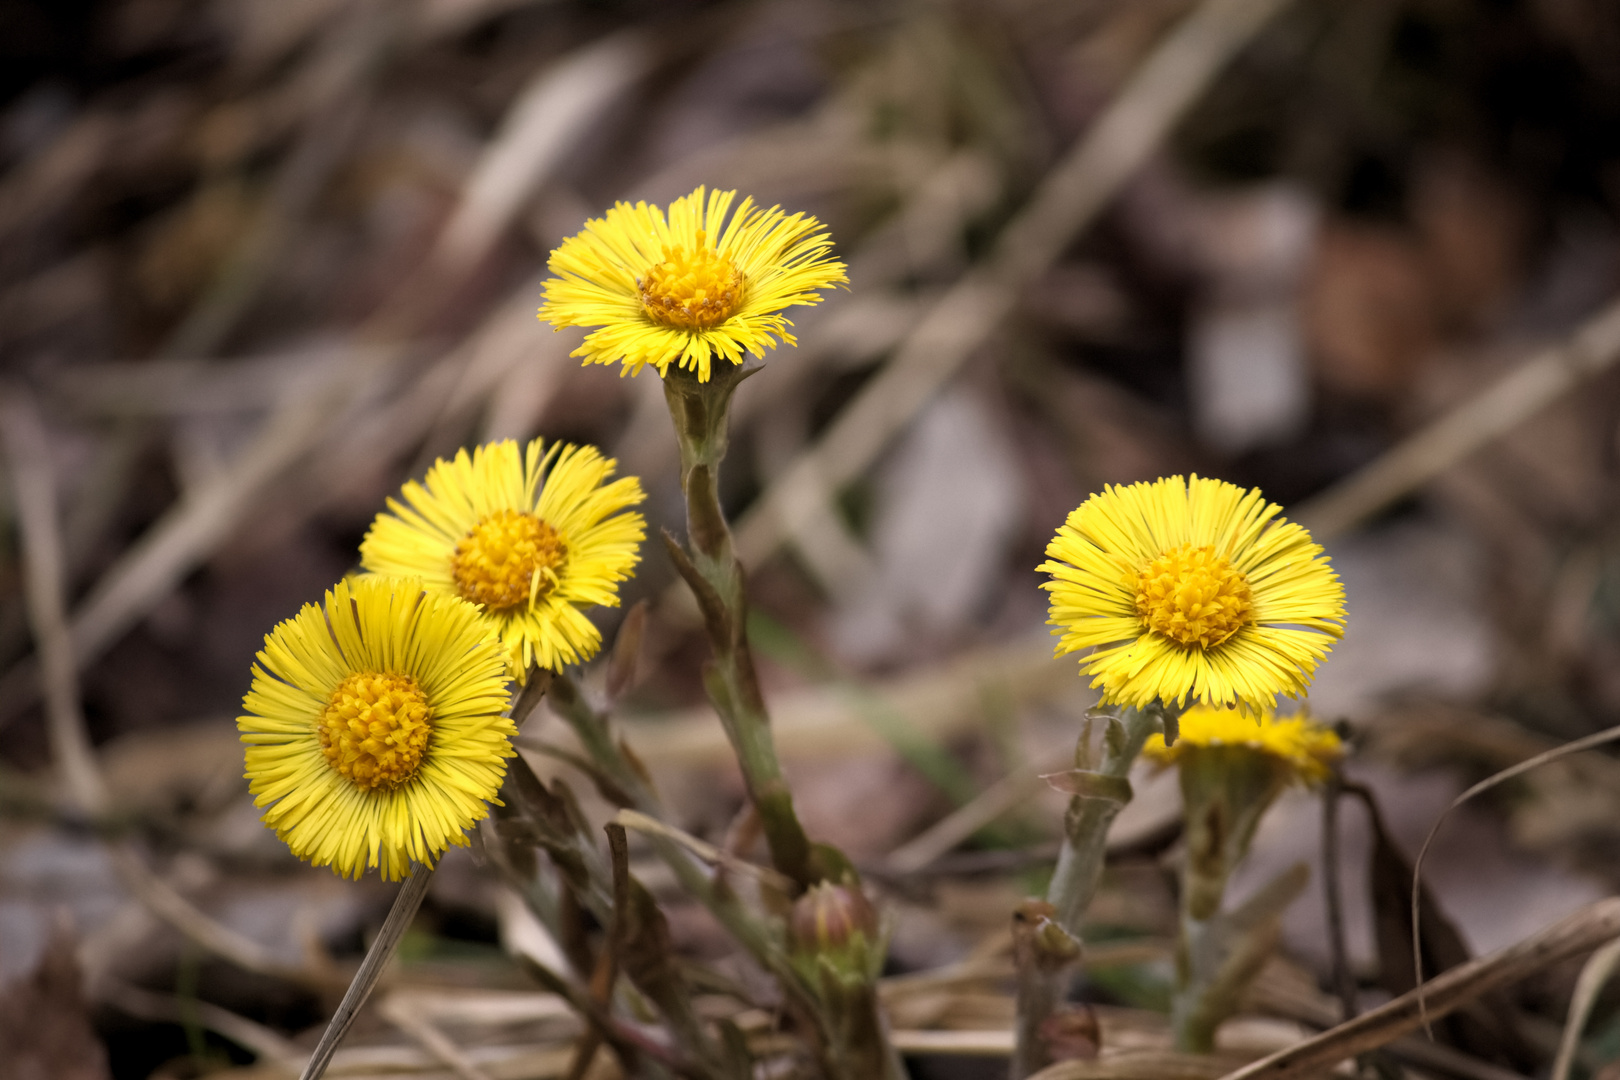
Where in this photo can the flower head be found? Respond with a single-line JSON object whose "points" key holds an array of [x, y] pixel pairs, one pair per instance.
{"points": [[688, 287], [533, 537], [1192, 588], [374, 730], [1307, 749]]}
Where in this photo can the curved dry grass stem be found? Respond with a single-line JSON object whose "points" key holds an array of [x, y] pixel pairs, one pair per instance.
{"points": [[1589, 742]]}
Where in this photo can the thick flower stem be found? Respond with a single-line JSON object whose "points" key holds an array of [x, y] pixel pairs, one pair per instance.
{"points": [[1085, 826], [699, 410], [1225, 791], [862, 1050], [1101, 793]]}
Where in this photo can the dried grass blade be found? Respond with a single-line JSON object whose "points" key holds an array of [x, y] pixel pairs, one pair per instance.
{"points": [[1494, 411], [1589, 742], [371, 968]]}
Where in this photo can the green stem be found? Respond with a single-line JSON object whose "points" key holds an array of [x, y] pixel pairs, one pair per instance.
{"points": [[1225, 791], [1043, 975], [710, 566], [1085, 826], [862, 1050]]}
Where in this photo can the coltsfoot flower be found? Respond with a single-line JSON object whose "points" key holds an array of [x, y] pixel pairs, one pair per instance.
{"points": [[533, 537], [1192, 589], [374, 730], [690, 287], [1307, 749]]}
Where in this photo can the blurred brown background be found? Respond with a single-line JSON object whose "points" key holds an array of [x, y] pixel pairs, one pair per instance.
{"points": [[262, 260]]}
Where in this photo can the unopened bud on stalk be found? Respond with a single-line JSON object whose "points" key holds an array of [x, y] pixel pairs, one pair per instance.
{"points": [[836, 935], [828, 917]]}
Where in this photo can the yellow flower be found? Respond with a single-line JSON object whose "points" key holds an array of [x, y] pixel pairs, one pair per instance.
{"points": [[1192, 589], [1308, 749], [374, 730], [690, 287], [533, 537]]}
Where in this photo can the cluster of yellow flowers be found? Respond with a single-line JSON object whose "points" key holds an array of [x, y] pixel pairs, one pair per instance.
{"points": [[376, 724]]}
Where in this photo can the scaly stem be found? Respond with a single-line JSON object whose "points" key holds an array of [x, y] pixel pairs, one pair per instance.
{"points": [[1085, 826], [710, 566], [1225, 790], [1044, 973]]}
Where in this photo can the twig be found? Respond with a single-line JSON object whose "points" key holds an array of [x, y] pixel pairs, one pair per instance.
{"points": [[1585, 929], [1142, 1065], [34, 489], [399, 919], [1494, 411], [1123, 138]]}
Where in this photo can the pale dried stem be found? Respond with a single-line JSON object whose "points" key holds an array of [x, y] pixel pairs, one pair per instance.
{"points": [[407, 901], [1487, 415], [34, 491]]}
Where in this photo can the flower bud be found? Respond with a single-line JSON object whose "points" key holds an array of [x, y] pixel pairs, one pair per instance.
{"points": [[830, 918]]}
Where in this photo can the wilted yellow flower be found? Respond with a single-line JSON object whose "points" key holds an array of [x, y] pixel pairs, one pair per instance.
{"points": [[534, 538], [690, 287], [1192, 588], [374, 727], [1308, 749]]}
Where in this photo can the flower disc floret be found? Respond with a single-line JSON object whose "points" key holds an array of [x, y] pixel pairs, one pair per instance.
{"points": [[376, 728], [1193, 596], [535, 536], [706, 281], [508, 558], [1191, 589], [693, 288], [1308, 749]]}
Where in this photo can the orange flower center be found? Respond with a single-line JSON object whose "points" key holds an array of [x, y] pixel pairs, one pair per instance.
{"points": [[509, 558], [1193, 596], [692, 289], [376, 728]]}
